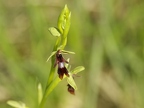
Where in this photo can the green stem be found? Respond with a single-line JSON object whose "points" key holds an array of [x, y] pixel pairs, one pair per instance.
{"points": [[52, 71], [51, 75], [42, 104], [52, 85], [48, 90]]}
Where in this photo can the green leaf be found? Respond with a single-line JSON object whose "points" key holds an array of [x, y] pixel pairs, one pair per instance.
{"points": [[67, 52], [16, 104], [40, 94], [53, 53], [71, 81], [54, 31], [77, 69]]}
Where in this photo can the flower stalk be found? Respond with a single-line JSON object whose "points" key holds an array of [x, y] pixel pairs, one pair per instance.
{"points": [[61, 33]]}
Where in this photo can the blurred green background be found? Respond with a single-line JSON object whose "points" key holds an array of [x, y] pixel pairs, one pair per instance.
{"points": [[107, 36]]}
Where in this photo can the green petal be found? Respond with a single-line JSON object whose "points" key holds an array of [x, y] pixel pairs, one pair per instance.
{"points": [[67, 52], [67, 65], [71, 82], [77, 69], [53, 53], [54, 31]]}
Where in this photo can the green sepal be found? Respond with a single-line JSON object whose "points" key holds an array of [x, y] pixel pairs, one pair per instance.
{"points": [[71, 81], [77, 69], [16, 104], [53, 53], [54, 31]]}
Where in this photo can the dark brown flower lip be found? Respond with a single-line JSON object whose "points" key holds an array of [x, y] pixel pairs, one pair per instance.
{"points": [[62, 71], [61, 66], [71, 89]]}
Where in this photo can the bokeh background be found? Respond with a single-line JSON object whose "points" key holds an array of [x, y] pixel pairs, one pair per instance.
{"points": [[106, 35]]}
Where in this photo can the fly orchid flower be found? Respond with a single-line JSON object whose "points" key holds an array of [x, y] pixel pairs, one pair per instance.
{"points": [[61, 66], [71, 83]]}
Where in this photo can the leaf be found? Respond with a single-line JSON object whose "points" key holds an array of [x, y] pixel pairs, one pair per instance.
{"points": [[67, 52], [40, 94], [71, 82], [54, 31], [53, 53], [16, 104], [77, 69]]}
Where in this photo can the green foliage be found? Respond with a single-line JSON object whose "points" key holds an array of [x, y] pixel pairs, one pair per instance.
{"points": [[61, 34], [54, 31], [108, 39], [16, 104]]}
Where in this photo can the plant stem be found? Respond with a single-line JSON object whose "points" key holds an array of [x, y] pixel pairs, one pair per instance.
{"points": [[48, 90], [51, 75], [52, 71], [42, 104]]}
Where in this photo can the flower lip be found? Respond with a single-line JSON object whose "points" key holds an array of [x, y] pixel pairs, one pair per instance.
{"points": [[62, 71], [70, 89], [61, 67], [61, 64]]}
